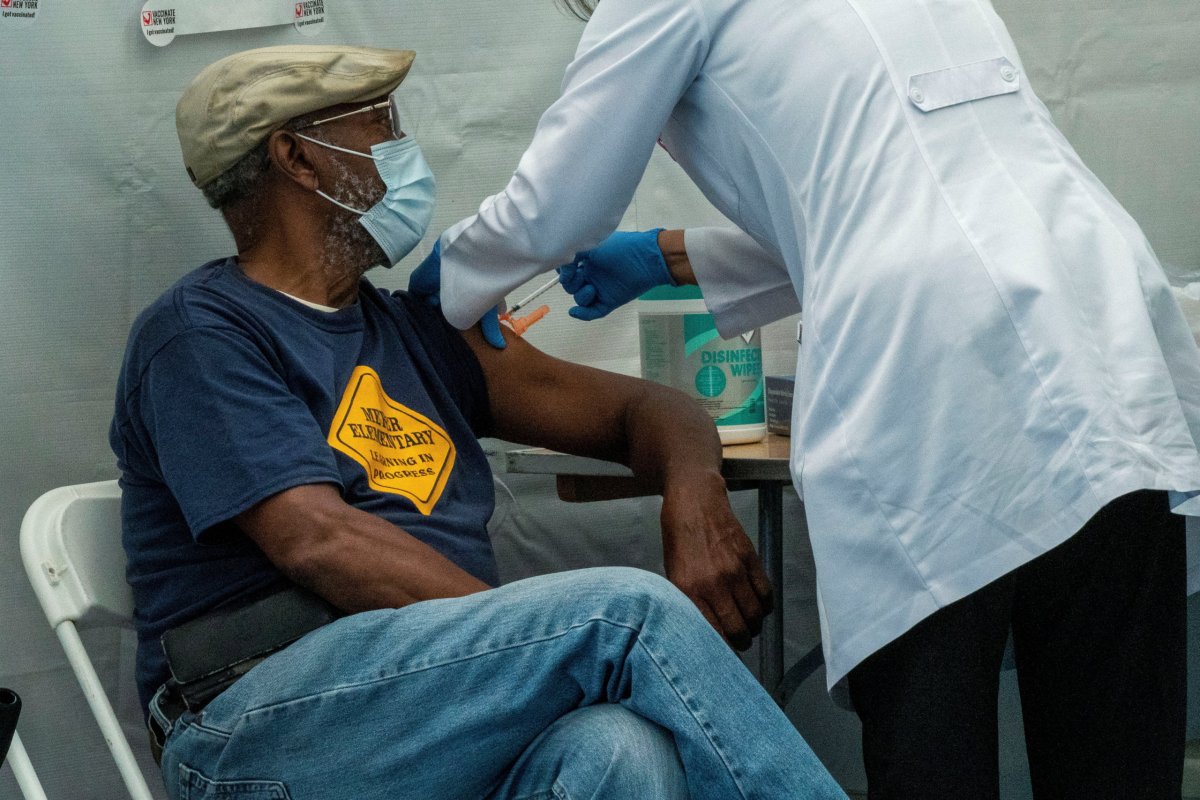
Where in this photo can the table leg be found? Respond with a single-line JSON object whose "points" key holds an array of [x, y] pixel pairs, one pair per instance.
{"points": [[770, 549]]}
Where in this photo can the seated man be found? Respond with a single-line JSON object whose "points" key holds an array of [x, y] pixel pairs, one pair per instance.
{"points": [[279, 421]]}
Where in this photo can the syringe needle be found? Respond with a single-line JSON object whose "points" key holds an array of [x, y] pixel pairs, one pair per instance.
{"points": [[537, 293]]}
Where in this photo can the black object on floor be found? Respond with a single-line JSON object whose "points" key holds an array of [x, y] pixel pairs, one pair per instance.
{"points": [[10, 709]]}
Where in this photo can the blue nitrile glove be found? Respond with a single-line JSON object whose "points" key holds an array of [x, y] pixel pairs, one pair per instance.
{"points": [[425, 282], [621, 268]]}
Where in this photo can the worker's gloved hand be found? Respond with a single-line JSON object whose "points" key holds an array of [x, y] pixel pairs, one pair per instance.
{"points": [[425, 282], [490, 326], [621, 268]]}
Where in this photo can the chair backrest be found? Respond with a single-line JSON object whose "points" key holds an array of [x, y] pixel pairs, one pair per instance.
{"points": [[71, 547]]}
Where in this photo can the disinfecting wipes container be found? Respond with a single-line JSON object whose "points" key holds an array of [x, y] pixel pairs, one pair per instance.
{"points": [[682, 349]]}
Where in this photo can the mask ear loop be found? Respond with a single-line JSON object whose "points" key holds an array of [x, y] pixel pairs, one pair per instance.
{"points": [[340, 204], [337, 203], [334, 146]]}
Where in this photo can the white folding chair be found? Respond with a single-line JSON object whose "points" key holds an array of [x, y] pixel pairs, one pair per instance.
{"points": [[71, 547]]}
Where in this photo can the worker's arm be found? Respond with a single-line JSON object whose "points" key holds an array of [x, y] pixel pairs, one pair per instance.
{"points": [[744, 285], [673, 246], [664, 437], [635, 60], [355, 560]]}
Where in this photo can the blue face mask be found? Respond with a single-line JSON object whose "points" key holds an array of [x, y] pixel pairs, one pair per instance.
{"points": [[398, 221]]}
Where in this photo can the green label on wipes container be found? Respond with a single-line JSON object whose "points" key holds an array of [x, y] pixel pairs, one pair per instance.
{"points": [[723, 376], [710, 381]]}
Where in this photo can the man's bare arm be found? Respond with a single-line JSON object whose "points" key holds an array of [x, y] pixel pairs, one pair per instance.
{"points": [[662, 436], [355, 560]]}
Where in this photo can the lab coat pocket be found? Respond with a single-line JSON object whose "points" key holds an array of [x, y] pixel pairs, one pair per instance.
{"points": [[930, 91]]}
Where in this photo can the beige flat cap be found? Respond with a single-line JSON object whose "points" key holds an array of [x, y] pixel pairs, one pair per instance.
{"points": [[235, 103]]}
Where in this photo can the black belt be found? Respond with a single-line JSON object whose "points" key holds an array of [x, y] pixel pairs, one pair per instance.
{"points": [[208, 654], [170, 704]]}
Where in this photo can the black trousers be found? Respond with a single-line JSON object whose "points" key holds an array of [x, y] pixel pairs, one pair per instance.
{"points": [[1099, 632]]}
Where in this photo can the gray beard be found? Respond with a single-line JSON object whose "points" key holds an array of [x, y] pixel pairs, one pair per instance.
{"points": [[348, 249]]}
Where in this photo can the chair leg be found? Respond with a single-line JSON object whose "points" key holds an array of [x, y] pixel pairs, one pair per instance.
{"points": [[102, 710], [27, 779]]}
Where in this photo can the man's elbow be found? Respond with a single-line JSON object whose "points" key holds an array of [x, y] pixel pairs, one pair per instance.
{"points": [[304, 545]]}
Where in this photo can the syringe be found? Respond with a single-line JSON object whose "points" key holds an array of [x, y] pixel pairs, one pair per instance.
{"points": [[519, 326], [536, 293]]}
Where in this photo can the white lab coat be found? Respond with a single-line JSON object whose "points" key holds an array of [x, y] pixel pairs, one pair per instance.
{"points": [[991, 350]]}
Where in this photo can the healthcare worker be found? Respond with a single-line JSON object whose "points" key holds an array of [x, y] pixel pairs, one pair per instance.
{"points": [[998, 408]]}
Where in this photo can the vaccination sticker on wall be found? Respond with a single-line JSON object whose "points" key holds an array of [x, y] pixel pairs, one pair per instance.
{"points": [[162, 20], [17, 13]]}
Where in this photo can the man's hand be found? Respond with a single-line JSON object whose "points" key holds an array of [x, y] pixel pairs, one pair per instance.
{"points": [[710, 558], [425, 282], [621, 268]]}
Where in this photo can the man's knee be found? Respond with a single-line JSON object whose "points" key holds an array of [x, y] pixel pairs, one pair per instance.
{"points": [[609, 751], [631, 599], [629, 587]]}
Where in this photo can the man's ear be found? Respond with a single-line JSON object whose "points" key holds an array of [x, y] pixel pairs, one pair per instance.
{"points": [[291, 155]]}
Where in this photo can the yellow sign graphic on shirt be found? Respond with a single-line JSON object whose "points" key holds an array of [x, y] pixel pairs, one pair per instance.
{"points": [[403, 452]]}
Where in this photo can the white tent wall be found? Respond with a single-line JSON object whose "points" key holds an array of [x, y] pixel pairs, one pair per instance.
{"points": [[97, 217]]}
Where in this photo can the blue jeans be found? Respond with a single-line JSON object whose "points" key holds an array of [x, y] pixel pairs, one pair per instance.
{"points": [[599, 683]]}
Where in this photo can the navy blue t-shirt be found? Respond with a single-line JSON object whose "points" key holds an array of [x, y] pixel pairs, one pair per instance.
{"points": [[231, 392]]}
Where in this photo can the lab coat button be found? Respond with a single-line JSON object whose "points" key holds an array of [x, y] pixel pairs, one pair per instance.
{"points": [[916, 95], [1008, 73]]}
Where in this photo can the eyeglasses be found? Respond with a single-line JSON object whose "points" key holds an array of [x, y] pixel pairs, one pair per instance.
{"points": [[392, 109]]}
